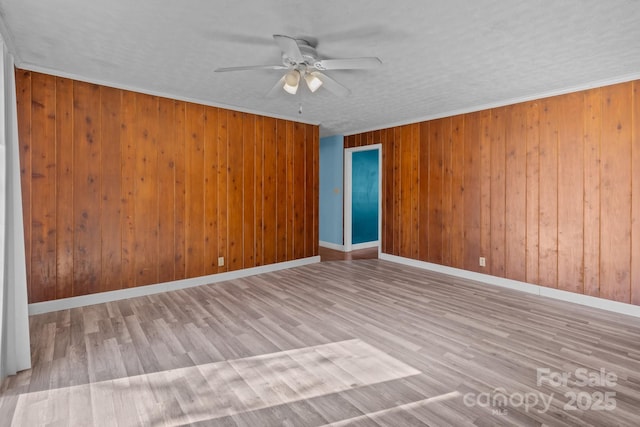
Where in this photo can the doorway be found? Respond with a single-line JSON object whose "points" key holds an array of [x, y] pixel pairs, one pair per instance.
{"points": [[363, 197]]}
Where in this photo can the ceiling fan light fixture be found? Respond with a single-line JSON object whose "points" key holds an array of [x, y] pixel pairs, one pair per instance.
{"points": [[313, 82], [301, 61], [291, 81]]}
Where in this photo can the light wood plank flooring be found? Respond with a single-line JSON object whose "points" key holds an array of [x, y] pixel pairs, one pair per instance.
{"points": [[360, 343], [327, 254]]}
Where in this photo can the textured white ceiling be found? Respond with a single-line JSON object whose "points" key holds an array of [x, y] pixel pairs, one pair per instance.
{"points": [[439, 57]]}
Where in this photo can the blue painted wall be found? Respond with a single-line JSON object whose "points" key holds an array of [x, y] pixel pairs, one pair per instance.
{"points": [[365, 196], [330, 205]]}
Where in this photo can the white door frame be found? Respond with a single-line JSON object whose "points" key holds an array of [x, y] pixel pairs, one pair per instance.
{"points": [[348, 188]]}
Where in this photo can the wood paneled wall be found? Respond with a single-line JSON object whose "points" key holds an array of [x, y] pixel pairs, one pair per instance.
{"points": [[547, 191], [122, 189]]}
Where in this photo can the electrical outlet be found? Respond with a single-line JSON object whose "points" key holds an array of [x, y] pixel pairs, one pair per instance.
{"points": [[220, 261], [483, 262]]}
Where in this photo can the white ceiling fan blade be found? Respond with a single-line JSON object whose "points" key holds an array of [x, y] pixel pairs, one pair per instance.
{"points": [[348, 64], [251, 67], [289, 47], [276, 88], [332, 85]]}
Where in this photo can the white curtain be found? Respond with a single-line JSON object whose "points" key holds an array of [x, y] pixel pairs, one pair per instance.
{"points": [[14, 318]]}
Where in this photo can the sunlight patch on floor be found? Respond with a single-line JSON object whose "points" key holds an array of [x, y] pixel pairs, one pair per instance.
{"points": [[214, 390]]}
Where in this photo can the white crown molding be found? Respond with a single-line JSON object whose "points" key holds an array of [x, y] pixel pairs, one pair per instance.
{"points": [[103, 297], [601, 303], [533, 97], [45, 70]]}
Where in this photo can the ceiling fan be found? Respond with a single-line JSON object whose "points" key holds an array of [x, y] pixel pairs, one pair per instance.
{"points": [[300, 58]]}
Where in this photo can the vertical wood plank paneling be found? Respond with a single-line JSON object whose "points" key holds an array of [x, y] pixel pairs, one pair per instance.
{"points": [[348, 141], [86, 185], [111, 173], [316, 186], [223, 188], [532, 190], [369, 139], [485, 189], [521, 185], [64, 188], [516, 196], [128, 182], [43, 191], [615, 221], [447, 181], [298, 190], [166, 191], [211, 190], [382, 140], [415, 189], [423, 193], [571, 193], [437, 131], [235, 188], [406, 166], [133, 189], [259, 192], [23, 110], [397, 177], [592, 133], [472, 190], [548, 191], [146, 191], [180, 190], [559, 251], [270, 209], [385, 192], [635, 196], [309, 188], [281, 190], [194, 190], [290, 190], [457, 192], [388, 191], [497, 189], [248, 194]]}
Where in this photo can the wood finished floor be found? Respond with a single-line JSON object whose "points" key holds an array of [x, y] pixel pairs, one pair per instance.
{"points": [[327, 254], [361, 343]]}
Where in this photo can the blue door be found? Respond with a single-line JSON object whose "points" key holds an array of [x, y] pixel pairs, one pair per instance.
{"points": [[365, 179]]}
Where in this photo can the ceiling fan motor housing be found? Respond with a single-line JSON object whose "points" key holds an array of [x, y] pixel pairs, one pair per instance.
{"points": [[309, 54]]}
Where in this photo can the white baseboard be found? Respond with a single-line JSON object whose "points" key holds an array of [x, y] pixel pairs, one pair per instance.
{"points": [[601, 303], [102, 297], [365, 245], [329, 245]]}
